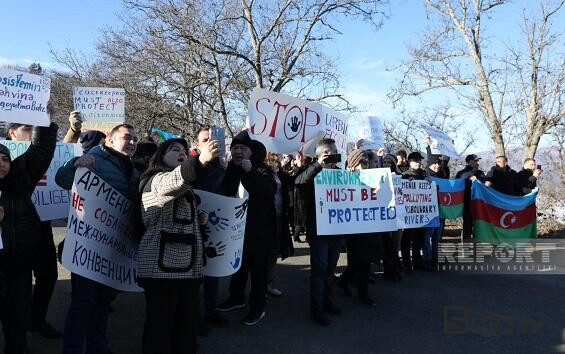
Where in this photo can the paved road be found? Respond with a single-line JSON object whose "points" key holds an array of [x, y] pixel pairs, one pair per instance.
{"points": [[409, 317]]}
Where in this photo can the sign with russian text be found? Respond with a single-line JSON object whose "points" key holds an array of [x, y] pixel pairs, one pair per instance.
{"points": [[416, 203], [50, 200], [223, 243], [440, 143], [284, 123], [101, 108], [370, 130], [24, 97], [354, 202], [96, 245]]}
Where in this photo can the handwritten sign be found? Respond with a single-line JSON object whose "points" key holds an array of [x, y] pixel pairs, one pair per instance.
{"points": [[284, 123], [24, 97], [440, 143], [368, 128], [225, 230], [96, 245], [101, 108], [354, 202], [50, 200], [416, 203]]}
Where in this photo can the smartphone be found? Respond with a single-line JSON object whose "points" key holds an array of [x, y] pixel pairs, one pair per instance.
{"points": [[219, 134], [539, 167], [334, 158]]}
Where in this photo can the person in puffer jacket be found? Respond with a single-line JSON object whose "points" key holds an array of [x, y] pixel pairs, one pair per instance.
{"points": [[171, 251], [21, 232]]}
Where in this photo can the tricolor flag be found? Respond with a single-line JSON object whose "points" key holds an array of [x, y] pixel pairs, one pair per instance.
{"points": [[450, 197], [500, 217], [161, 135]]}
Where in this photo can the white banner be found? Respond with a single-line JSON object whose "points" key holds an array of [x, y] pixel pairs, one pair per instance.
{"points": [[96, 245], [50, 200], [101, 108], [416, 203], [24, 97], [226, 230], [284, 123], [368, 128], [440, 143], [354, 202]]}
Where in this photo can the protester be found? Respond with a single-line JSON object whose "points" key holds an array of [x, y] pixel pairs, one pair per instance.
{"points": [[145, 150], [502, 178], [171, 250], [45, 262], [248, 166], [20, 222], [470, 173], [527, 178], [324, 251], [432, 235], [401, 163], [391, 240], [301, 163], [442, 160], [413, 239], [87, 316], [361, 248]]}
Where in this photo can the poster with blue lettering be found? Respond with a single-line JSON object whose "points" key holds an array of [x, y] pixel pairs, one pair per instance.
{"points": [[223, 242], [101, 108], [96, 245], [354, 202], [369, 129], [416, 203], [50, 200], [24, 97]]}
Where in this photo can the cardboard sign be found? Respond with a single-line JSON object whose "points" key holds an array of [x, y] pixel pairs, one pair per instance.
{"points": [[284, 123], [50, 200], [101, 108], [368, 128], [96, 245], [416, 203], [354, 202], [226, 230], [440, 143], [24, 97]]}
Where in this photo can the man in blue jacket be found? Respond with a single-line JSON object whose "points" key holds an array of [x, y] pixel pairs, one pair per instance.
{"points": [[87, 316]]}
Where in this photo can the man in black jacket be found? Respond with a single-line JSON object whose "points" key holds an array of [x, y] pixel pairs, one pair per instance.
{"points": [[527, 178], [20, 221], [470, 173], [502, 178], [324, 250]]}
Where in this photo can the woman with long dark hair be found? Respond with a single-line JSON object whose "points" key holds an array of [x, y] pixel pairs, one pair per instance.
{"points": [[171, 250]]}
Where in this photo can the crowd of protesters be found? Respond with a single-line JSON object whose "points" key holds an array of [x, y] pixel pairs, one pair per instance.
{"points": [[180, 301]]}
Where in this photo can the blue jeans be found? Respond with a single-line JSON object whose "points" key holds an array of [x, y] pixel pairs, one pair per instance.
{"points": [[87, 317], [324, 254], [432, 236]]}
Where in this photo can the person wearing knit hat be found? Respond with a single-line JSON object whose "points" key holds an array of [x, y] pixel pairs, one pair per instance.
{"points": [[91, 138], [361, 248]]}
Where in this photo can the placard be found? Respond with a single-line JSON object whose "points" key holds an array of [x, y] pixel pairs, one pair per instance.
{"points": [[440, 143], [368, 128], [416, 203], [101, 108]]}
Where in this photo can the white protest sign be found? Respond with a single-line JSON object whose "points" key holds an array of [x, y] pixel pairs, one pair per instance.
{"points": [[24, 97], [284, 123], [96, 245], [50, 200], [101, 108], [354, 202], [368, 128], [226, 230], [416, 203], [440, 143]]}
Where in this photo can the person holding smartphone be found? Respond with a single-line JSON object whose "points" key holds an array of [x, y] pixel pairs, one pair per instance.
{"points": [[528, 177]]}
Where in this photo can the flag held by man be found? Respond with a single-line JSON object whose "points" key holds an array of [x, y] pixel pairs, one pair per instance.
{"points": [[450, 197]]}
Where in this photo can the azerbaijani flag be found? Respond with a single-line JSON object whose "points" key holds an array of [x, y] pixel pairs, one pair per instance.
{"points": [[161, 136], [450, 197], [501, 217]]}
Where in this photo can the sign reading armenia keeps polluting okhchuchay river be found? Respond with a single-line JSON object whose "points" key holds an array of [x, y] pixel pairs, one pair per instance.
{"points": [[50, 200], [96, 243], [24, 97]]}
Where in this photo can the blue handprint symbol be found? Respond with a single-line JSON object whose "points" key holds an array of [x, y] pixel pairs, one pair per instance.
{"points": [[217, 221], [237, 260]]}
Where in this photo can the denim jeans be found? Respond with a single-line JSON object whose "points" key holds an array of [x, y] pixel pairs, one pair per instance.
{"points": [[87, 317], [432, 236], [324, 254]]}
